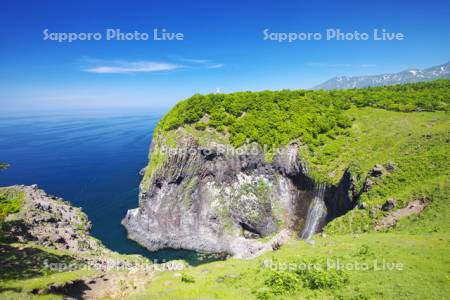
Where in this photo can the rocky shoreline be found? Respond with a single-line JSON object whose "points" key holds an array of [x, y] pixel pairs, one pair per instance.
{"points": [[51, 222]]}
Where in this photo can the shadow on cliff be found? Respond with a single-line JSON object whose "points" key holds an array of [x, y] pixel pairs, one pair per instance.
{"points": [[24, 263], [336, 200]]}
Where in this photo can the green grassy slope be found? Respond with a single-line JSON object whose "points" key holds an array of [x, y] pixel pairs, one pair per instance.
{"points": [[27, 273], [416, 144], [420, 263], [404, 127]]}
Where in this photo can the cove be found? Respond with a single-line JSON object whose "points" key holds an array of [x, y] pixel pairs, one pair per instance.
{"points": [[90, 158]]}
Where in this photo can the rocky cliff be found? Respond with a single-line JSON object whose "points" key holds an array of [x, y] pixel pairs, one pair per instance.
{"points": [[208, 196], [51, 222]]}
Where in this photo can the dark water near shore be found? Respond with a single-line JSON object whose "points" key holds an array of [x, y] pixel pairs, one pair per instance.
{"points": [[91, 159]]}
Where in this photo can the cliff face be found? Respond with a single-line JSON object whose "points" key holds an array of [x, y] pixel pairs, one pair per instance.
{"points": [[214, 198], [53, 223], [50, 222]]}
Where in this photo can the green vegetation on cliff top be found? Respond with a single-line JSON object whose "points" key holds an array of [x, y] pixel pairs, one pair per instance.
{"points": [[276, 118]]}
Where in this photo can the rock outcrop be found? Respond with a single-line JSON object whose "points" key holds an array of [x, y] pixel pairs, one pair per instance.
{"points": [[51, 222], [210, 197], [391, 219]]}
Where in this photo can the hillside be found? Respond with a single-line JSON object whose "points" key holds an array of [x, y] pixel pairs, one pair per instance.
{"points": [[408, 76], [381, 155]]}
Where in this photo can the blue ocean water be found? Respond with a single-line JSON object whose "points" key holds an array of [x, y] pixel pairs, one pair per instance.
{"points": [[91, 159]]}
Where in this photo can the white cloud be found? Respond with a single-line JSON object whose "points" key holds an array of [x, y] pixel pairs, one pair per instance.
{"points": [[195, 61], [123, 67], [215, 66], [99, 66]]}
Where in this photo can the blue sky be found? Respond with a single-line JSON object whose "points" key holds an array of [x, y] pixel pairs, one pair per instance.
{"points": [[223, 48]]}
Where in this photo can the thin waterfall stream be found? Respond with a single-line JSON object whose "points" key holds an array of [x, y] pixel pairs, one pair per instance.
{"points": [[317, 212]]}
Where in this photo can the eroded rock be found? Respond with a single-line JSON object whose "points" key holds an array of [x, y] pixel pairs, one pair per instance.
{"points": [[208, 199], [51, 222]]}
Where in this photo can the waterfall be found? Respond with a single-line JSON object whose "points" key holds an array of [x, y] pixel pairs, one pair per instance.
{"points": [[317, 213]]}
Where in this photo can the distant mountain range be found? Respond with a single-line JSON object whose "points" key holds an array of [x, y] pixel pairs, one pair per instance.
{"points": [[408, 76]]}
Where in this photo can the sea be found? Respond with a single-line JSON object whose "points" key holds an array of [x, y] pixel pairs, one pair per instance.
{"points": [[90, 158]]}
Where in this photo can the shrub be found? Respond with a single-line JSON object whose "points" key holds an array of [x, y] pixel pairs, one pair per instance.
{"points": [[11, 201], [364, 251], [187, 278], [324, 279], [321, 277], [200, 126], [287, 282], [282, 282]]}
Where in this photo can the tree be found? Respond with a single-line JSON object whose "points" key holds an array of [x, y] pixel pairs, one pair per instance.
{"points": [[275, 118]]}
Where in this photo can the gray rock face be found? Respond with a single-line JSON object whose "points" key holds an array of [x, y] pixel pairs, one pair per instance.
{"points": [[51, 222], [408, 76], [376, 171], [389, 204], [205, 199]]}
